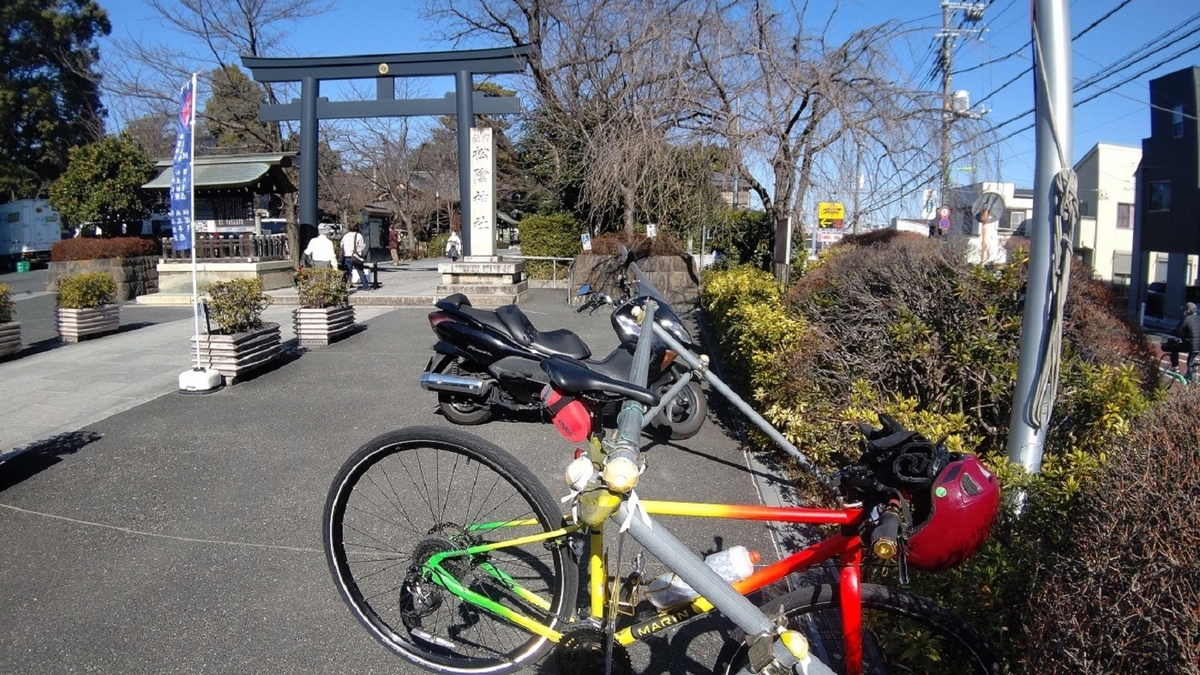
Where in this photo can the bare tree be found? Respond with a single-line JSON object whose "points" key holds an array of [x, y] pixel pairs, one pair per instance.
{"points": [[785, 98], [604, 77]]}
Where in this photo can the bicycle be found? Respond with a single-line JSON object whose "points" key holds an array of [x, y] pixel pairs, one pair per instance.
{"points": [[486, 582]]}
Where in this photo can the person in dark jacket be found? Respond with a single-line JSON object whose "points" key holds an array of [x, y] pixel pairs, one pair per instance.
{"points": [[1186, 338]]}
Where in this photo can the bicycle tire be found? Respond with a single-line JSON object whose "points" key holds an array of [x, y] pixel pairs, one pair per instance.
{"points": [[933, 640], [383, 519]]}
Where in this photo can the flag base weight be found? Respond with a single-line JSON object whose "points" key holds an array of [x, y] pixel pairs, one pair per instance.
{"points": [[200, 381]]}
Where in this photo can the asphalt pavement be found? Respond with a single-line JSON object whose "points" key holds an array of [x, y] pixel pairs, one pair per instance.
{"points": [[148, 531]]}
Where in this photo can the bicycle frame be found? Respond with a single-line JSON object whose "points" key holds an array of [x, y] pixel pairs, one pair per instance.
{"points": [[770, 646], [845, 547]]}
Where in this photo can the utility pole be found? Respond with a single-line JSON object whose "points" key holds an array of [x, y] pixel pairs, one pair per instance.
{"points": [[972, 13], [1049, 262]]}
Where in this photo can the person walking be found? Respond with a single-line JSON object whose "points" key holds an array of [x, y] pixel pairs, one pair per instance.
{"points": [[394, 243], [354, 255], [1186, 338], [453, 245], [320, 251]]}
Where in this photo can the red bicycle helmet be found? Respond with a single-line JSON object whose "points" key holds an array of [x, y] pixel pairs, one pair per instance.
{"points": [[963, 501]]}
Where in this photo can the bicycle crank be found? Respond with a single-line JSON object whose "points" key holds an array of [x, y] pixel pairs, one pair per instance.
{"points": [[581, 652]]}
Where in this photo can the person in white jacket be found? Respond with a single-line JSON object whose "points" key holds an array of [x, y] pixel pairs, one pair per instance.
{"points": [[354, 254], [320, 249], [453, 245]]}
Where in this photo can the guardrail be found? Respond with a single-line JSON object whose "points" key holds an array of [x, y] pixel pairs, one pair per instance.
{"points": [[244, 246]]}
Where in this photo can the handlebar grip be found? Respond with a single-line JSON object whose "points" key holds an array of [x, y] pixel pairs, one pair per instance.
{"points": [[885, 535], [583, 307]]}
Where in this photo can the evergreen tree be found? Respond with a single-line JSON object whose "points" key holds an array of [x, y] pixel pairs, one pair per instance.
{"points": [[102, 185], [49, 89]]}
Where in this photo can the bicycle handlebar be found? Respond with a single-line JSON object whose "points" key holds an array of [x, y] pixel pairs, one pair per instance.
{"points": [[885, 536]]}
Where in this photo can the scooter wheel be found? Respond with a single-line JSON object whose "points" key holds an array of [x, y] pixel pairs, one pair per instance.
{"points": [[684, 416], [462, 410]]}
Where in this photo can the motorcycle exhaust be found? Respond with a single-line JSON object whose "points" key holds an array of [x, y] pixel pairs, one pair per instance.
{"points": [[454, 384]]}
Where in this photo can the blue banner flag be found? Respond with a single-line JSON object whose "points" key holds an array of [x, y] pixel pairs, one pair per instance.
{"points": [[181, 173]]}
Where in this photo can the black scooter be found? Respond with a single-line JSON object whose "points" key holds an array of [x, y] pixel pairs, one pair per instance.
{"points": [[488, 359]]}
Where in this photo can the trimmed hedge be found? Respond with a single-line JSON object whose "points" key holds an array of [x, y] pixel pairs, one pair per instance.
{"points": [[904, 325], [555, 235], [89, 248]]}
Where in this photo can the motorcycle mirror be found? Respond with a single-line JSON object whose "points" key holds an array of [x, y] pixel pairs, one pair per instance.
{"points": [[584, 289]]}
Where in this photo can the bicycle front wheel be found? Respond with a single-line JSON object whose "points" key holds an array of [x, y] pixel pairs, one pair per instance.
{"points": [[902, 633], [403, 523]]}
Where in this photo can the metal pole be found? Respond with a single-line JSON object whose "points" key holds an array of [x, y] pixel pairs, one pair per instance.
{"points": [[947, 114], [310, 89], [464, 89], [1052, 87]]}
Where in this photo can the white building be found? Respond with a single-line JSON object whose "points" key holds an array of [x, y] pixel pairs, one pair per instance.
{"points": [[1107, 186]]}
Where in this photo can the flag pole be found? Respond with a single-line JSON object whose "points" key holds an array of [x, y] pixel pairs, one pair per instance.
{"points": [[198, 379], [192, 229]]}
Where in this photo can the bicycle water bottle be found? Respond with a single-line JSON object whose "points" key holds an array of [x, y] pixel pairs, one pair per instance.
{"points": [[733, 565]]}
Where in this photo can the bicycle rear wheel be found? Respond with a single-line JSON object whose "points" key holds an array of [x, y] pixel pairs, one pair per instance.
{"points": [[903, 633], [412, 494]]}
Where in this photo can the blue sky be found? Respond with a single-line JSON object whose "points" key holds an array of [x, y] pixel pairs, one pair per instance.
{"points": [[1120, 116]]}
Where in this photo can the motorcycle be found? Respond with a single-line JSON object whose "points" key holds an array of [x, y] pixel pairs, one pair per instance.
{"points": [[489, 360]]}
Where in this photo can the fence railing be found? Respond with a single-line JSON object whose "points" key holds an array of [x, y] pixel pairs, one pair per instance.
{"points": [[240, 247]]}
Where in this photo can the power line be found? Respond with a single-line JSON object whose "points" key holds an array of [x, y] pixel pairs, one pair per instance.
{"points": [[1107, 15]]}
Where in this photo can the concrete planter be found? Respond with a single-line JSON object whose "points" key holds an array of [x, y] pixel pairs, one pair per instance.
{"points": [[10, 338], [321, 326], [78, 324], [235, 356]]}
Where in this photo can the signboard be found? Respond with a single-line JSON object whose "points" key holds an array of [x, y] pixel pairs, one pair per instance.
{"points": [[928, 204], [482, 181], [944, 224], [829, 237], [586, 240], [943, 212], [652, 230], [831, 214]]}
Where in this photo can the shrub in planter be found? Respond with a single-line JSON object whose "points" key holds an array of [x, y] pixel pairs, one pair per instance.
{"points": [[86, 305], [241, 341], [10, 330], [321, 287], [8, 308], [324, 313], [236, 306], [86, 289]]}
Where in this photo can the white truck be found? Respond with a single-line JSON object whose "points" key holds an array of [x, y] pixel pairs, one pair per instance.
{"points": [[28, 228]]}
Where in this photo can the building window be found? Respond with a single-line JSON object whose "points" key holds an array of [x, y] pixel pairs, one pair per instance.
{"points": [[1177, 121], [1124, 216], [1015, 218], [1160, 195], [1084, 208]]}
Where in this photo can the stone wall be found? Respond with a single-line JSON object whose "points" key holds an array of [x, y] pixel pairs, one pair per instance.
{"points": [[176, 277], [673, 276], [134, 276]]}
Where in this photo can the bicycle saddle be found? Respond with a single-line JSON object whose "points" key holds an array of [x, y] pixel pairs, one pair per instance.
{"points": [[574, 377], [554, 342]]}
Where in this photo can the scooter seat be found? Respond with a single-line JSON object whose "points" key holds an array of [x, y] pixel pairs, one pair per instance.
{"points": [[552, 342], [574, 377]]}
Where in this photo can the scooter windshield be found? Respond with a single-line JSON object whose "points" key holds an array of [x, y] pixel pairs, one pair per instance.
{"points": [[626, 323], [644, 285]]}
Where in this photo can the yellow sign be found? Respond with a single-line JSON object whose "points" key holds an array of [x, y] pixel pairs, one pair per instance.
{"points": [[831, 214]]}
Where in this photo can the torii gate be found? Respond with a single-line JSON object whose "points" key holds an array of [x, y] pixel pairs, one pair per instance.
{"points": [[384, 69]]}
